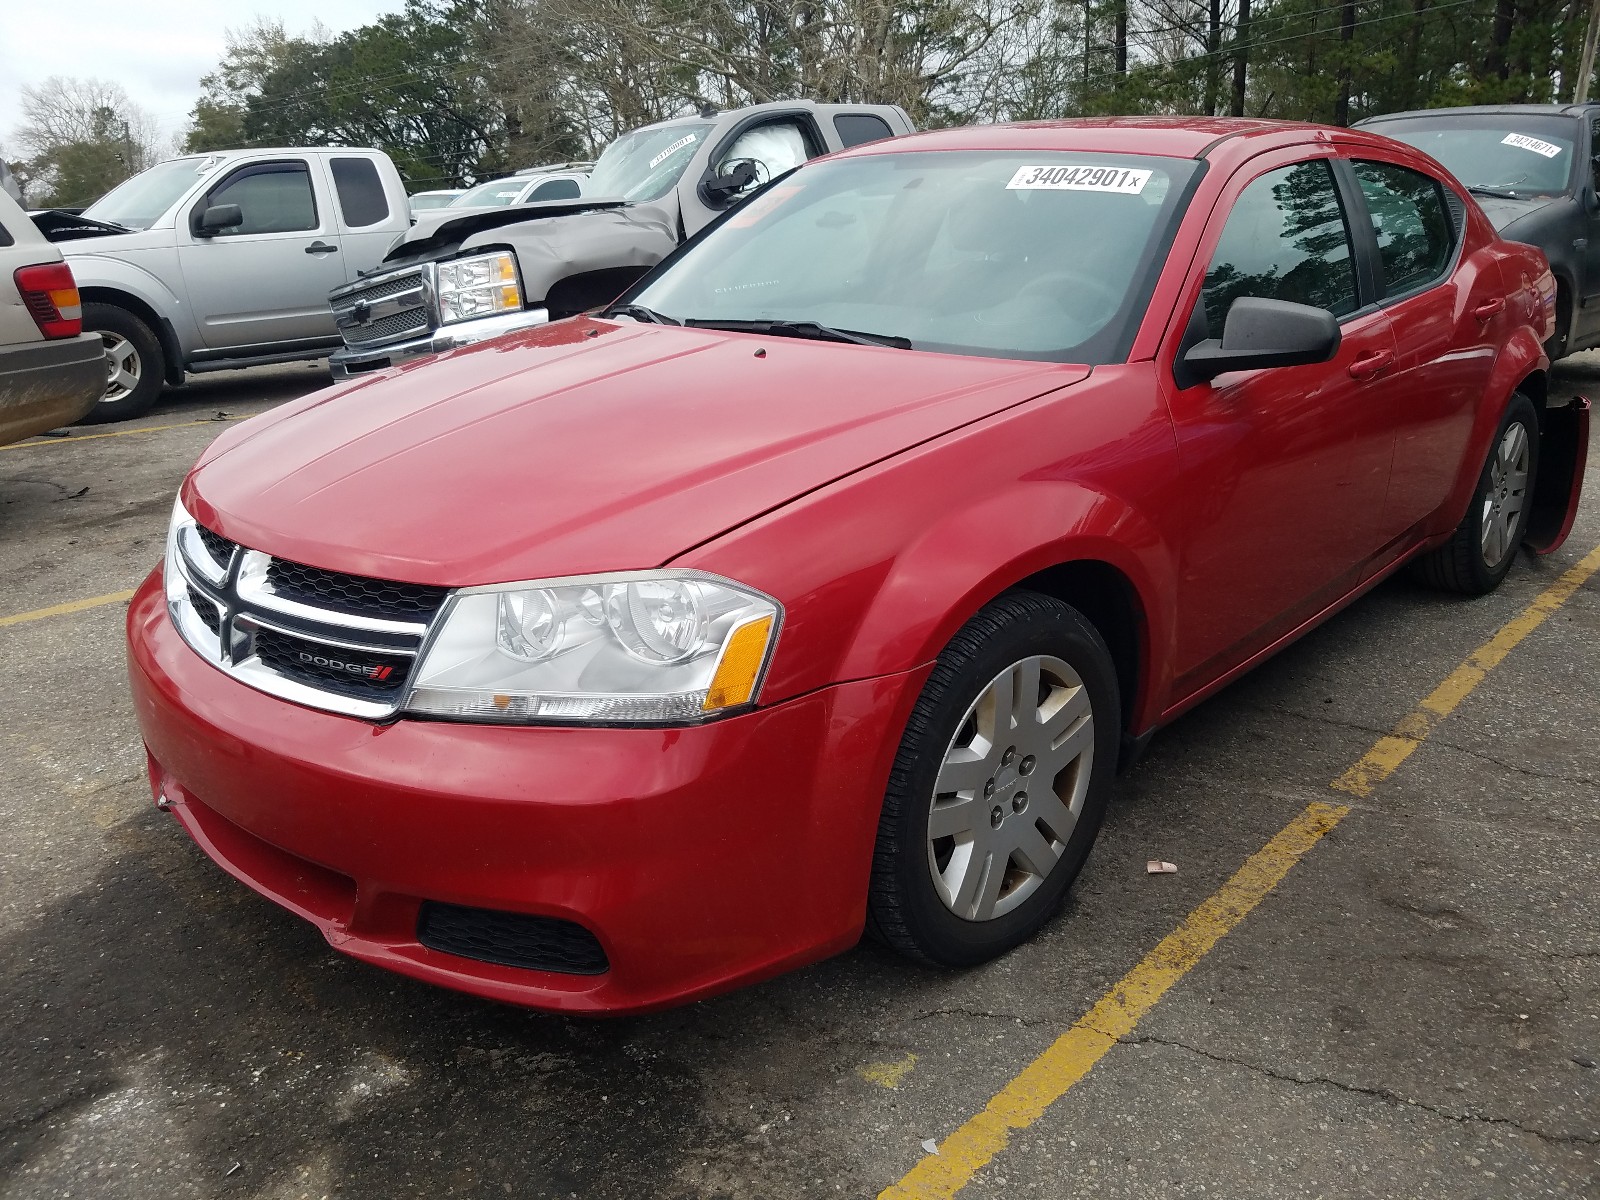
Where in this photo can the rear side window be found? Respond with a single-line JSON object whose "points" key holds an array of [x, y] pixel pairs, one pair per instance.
{"points": [[856, 128], [272, 197], [5, 237], [1412, 222], [557, 189], [361, 197], [1286, 239]]}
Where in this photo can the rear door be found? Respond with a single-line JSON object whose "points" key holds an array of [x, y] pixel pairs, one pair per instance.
{"points": [[264, 284], [1446, 302], [368, 209]]}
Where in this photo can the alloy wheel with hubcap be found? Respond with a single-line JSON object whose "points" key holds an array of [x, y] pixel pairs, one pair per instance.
{"points": [[1010, 789], [999, 785], [1503, 502], [124, 367]]}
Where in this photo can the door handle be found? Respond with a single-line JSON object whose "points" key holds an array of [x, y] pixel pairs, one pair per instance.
{"points": [[1489, 308], [321, 248], [1369, 365]]}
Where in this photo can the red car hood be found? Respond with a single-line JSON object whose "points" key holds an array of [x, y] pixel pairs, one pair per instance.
{"points": [[559, 451]]}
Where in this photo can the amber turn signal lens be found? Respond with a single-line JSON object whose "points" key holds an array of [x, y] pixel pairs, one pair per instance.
{"points": [[737, 672]]}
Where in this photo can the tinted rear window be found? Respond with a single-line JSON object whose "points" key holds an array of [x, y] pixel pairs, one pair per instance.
{"points": [[855, 128], [1413, 227], [361, 197]]}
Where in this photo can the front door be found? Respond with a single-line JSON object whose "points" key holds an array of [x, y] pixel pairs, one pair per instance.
{"points": [[1283, 475], [1587, 331], [264, 282]]}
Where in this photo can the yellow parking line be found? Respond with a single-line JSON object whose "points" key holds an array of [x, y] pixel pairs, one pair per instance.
{"points": [[61, 610], [89, 437], [1048, 1077]]}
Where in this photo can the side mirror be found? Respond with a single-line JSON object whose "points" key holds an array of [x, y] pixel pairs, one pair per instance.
{"points": [[218, 217], [739, 177], [1265, 333]]}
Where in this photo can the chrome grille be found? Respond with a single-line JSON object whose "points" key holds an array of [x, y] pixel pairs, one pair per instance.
{"points": [[345, 643], [385, 308]]}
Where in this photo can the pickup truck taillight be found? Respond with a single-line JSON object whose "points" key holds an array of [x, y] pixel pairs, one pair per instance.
{"points": [[51, 295]]}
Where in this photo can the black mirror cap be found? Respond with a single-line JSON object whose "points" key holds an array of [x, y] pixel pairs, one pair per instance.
{"points": [[219, 217], [1260, 332], [724, 187]]}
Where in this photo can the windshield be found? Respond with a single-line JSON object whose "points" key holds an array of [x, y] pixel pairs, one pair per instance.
{"points": [[139, 202], [1030, 254], [1528, 155], [431, 199], [497, 193], [645, 164]]}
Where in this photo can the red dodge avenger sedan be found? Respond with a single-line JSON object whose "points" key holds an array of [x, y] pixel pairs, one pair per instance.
{"points": [[822, 582]]}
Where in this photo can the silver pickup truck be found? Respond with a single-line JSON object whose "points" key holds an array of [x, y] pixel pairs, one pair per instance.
{"points": [[215, 261], [458, 278]]}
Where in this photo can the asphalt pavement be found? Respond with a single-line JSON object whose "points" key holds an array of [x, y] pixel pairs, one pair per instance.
{"points": [[1413, 1011]]}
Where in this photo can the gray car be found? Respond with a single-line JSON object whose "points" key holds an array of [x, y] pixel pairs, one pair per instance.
{"points": [[1535, 169], [462, 275]]}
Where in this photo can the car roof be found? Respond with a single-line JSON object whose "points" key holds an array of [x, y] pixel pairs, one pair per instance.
{"points": [[1220, 139], [1505, 110]]}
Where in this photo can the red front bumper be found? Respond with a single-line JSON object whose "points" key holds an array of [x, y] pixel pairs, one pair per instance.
{"points": [[702, 858]]}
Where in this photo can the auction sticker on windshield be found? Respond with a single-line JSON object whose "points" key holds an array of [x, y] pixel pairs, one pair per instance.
{"points": [[686, 140], [1126, 180], [1524, 142]]}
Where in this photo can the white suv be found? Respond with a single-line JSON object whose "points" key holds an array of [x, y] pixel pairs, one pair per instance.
{"points": [[51, 372]]}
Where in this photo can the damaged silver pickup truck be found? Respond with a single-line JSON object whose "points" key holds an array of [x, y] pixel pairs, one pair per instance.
{"points": [[458, 278]]}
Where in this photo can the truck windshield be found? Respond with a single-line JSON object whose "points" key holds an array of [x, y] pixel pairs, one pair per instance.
{"points": [[645, 164], [1528, 155], [1028, 254], [138, 203]]}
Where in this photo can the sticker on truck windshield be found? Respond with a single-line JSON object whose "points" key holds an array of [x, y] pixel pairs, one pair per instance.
{"points": [[686, 140], [1126, 181], [1524, 142]]}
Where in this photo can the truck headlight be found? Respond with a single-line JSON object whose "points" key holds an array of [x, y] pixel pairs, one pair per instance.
{"points": [[480, 286], [641, 647]]}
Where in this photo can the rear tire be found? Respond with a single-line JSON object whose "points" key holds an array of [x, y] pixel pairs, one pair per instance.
{"points": [[135, 367], [1480, 552], [968, 863]]}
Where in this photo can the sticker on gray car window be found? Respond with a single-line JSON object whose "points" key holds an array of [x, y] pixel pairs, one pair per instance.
{"points": [[1523, 142], [685, 140], [1127, 181]]}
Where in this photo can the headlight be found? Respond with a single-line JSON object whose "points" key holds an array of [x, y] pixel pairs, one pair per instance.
{"points": [[479, 287], [642, 647]]}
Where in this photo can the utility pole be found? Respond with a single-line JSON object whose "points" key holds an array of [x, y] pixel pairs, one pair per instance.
{"points": [[1586, 69]]}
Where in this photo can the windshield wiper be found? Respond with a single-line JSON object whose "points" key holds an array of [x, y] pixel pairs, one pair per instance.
{"points": [[805, 329], [639, 313], [1483, 189]]}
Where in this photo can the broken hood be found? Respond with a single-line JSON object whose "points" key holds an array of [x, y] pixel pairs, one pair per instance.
{"points": [[579, 447]]}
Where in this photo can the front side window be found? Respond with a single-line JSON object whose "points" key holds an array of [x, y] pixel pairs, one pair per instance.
{"points": [[140, 202], [772, 149], [1020, 254], [1415, 240], [360, 189], [1286, 239], [273, 198]]}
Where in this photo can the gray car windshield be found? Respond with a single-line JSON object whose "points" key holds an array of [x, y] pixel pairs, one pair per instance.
{"points": [[1029, 254], [645, 164], [497, 193], [139, 202], [1528, 155]]}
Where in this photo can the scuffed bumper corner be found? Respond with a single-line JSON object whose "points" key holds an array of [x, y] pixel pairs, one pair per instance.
{"points": [[1563, 455]]}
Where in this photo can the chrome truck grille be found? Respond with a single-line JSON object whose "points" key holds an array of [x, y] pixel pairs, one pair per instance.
{"points": [[385, 308], [344, 643]]}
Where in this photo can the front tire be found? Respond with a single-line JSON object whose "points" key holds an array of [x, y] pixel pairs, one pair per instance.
{"points": [[134, 364], [999, 786], [1480, 552]]}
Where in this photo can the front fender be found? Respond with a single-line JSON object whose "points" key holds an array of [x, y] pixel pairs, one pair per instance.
{"points": [[105, 273]]}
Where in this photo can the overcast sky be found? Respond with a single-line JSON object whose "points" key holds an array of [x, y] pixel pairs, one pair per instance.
{"points": [[156, 49]]}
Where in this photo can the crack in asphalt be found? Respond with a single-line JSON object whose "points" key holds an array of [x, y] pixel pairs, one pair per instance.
{"points": [[1383, 1094], [959, 1011]]}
